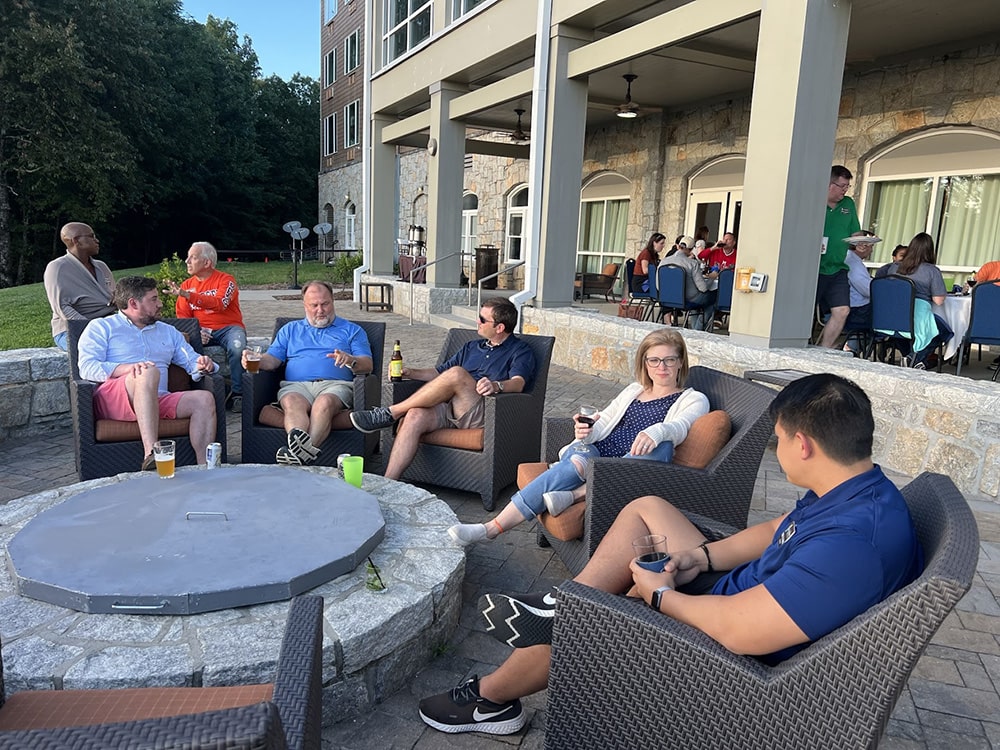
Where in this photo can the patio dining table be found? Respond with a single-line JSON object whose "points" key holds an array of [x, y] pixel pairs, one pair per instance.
{"points": [[955, 311]]}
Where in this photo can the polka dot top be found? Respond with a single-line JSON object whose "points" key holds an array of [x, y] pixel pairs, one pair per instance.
{"points": [[638, 416]]}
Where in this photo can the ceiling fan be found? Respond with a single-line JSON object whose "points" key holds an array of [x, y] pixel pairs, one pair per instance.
{"points": [[629, 109], [519, 136]]}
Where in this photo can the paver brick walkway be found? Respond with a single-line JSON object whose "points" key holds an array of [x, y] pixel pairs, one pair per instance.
{"points": [[952, 700]]}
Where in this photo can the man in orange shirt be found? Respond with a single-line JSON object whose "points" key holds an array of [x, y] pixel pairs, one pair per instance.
{"points": [[211, 296], [989, 272]]}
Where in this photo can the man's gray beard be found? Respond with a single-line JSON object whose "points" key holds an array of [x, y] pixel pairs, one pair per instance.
{"points": [[316, 324]]}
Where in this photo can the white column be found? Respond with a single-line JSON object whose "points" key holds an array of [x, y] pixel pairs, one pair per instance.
{"points": [[793, 122], [445, 172], [381, 213]]}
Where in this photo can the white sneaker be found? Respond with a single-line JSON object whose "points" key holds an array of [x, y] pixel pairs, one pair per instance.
{"points": [[467, 533], [557, 501]]}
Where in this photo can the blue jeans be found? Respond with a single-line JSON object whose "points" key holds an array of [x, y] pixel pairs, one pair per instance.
{"points": [[233, 339], [565, 476], [702, 321], [60, 339]]}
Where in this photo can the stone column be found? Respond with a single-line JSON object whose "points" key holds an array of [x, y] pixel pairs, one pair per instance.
{"points": [[445, 171], [563, 167], [383, 199], [793, 121]]}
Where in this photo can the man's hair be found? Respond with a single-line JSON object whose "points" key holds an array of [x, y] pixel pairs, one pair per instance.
{"points": [[833, 411], [661, 337], [316, 282], [132, 287], [503, 312], [207, 251], [839, 171]]}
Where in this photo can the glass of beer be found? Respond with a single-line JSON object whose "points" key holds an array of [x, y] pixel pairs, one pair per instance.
{"points": [[163, 453], [253, 358]]}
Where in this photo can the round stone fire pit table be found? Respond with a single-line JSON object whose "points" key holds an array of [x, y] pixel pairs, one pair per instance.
{"points": [[373, 641]]}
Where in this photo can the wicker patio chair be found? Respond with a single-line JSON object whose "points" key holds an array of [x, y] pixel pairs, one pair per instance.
{"points": [[624, 676], [588, 284], [284, 714], [263, 430], [722, 490], [107, 447], [484, 460]]}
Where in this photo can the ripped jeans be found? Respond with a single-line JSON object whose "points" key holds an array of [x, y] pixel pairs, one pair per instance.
{"points": [[567, 475]]}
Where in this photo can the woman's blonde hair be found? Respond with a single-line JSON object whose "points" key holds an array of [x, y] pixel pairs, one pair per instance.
{"points": [[663, 337]]}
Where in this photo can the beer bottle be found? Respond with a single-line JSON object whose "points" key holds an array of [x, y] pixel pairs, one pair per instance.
{"points": [[396, 363]]}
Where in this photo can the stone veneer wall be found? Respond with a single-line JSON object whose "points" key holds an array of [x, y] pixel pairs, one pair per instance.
{"points": [[924, 421], [333, 187], [34, 392]]}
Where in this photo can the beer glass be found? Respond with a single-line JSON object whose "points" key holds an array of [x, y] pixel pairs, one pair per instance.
{"points": [[163, 453]]}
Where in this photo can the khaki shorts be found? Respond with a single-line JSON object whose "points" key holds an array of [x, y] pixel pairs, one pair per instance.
{"points": [[473, 419], [313, 389]]}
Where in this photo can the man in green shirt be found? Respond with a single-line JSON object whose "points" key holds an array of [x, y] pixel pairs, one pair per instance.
{"points": [[833, 292]]}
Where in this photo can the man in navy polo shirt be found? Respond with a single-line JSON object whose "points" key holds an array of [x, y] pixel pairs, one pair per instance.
{"points": [[454, 391], [769, 590]]}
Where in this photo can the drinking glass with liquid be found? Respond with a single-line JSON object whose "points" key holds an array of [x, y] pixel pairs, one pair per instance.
{"points": [[587, 415]]}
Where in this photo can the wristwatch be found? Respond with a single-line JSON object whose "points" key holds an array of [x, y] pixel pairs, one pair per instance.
{"points": [[499, 386], [654, 600]]}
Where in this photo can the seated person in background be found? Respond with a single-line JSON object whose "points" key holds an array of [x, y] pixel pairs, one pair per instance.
{"points": [[454, 392], [989, 271], [768, 591], [722, 256], [646, 421], [211, 296], [321, 353], [129, 353], [860, 318], [897, 256], [79, 286], [697, 289], [647, 258]]}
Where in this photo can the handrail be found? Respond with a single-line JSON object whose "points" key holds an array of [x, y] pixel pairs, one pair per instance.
{"points": [[423, 267], [479, 282]]}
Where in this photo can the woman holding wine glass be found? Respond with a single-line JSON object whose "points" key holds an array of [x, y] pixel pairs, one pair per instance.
{"points": [[645, 421]]}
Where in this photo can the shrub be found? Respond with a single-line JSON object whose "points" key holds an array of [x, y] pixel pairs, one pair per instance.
{"points": [[343, 269], [171, 269]]}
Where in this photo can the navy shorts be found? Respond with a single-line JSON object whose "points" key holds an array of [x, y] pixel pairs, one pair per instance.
{"points": [[833, 290]]}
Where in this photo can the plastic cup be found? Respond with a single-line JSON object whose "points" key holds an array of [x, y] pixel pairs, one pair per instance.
{"points": [[354, 467], [253, 359], [163, 454], [651, 552]]}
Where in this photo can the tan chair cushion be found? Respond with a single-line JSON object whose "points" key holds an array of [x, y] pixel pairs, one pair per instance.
{"points": [[529, 472], [50, 709], [568, 525], [273, 415], [113, 431], [450, 437], [610, 269], [709, 433]]}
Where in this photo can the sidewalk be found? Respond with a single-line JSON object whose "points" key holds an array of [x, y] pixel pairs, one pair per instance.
{"points": [[952, 700]]}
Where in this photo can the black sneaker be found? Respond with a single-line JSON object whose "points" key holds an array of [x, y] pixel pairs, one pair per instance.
{"points": [[300, 444], [236, 403], [373, 420], [519, 621], [285, 457], [462, 709]]}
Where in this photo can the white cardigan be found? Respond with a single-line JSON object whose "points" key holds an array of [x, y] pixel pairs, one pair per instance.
{"points": [[674, 427]]}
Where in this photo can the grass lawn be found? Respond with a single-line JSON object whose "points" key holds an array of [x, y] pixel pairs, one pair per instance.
{"points": [[25, 314]]}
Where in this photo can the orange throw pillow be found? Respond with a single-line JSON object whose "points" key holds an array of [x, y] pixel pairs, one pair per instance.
{"points": [[709, 433]]}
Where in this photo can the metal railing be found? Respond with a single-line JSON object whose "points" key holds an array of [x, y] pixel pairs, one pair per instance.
{"points": [[423, 267], [479, 282]]}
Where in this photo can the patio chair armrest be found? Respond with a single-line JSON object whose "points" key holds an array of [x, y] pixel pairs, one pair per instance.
{"points": [[395, 391], [260, 389], [367, 391], [298, 681], [556, 432], [82, 404]]}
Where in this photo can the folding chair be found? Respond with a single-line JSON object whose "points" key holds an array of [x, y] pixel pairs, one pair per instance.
{"points": [[671, 281], [984, 321]]}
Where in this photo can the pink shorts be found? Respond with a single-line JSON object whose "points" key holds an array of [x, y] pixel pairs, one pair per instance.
{"points": [[111, 402]]}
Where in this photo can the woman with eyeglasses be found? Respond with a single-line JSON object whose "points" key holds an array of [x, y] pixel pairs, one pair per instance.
{"points": [[645, 421]]}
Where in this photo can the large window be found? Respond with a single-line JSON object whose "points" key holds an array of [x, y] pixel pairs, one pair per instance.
{"points": [[470, 228], [350, 216], [330, 68], [405, 23], [946, 183], [351, 113], [329, 10], [517, 211], [329, 136], [352, 51], [461, 7], [603, 222]]}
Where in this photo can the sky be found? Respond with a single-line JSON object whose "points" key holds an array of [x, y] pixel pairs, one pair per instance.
{"points": [[285, 34]]}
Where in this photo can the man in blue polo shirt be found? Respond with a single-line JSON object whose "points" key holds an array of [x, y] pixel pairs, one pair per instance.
{"points": [[454, 391], [768, 590], [321, 353]]}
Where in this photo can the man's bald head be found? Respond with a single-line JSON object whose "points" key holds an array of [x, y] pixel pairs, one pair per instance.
{"points": [[80, 240]]}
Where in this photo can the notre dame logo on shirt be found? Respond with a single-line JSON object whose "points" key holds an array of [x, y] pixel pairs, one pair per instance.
{"points": [[787, 534]]}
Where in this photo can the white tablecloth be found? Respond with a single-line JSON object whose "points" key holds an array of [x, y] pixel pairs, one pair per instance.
{"points": [[955, 311]]}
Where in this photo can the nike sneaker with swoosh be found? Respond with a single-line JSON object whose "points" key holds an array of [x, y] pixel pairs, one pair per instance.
{"points": [[463, 709], [521, 620]]}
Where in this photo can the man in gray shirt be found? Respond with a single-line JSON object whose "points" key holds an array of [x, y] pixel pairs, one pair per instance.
{"points": [[79, 286], [697, 286]]}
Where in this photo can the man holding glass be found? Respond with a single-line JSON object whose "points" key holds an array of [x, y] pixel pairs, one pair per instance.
{"points": [[454, 391], [769, 590], [128, 354]]}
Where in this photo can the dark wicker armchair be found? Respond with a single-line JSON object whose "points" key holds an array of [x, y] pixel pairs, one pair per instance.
{"points": [[106, 447], [511, 435], [722, 490], [624, 676], [262, 440], [285, 714], [588, 284]]}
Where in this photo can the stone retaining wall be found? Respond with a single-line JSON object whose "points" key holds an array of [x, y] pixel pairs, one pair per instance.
{"points": [[924, 421], [34, 392]]}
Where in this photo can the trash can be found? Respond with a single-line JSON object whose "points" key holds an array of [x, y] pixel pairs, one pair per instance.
{"points": [[487, 263]]}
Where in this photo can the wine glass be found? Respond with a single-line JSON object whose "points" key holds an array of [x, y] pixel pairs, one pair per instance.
{"points": [[587, 415]]}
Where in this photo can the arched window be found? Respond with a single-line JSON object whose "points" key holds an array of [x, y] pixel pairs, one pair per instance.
{"points": [[945, 182], [715, 198], [517, 210], [604, 203], [350, 214]]}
